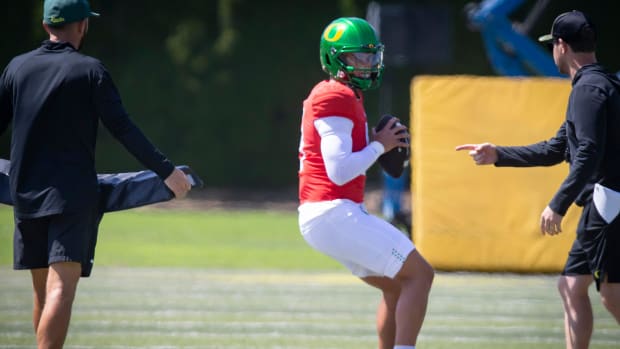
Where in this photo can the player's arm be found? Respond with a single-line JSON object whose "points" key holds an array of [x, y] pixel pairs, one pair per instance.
{"points": [[117, 121], [546, 153], [341, 163], [590, 123]]}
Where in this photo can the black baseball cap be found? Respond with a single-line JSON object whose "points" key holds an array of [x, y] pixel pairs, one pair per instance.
{"points": [[568, 26]]}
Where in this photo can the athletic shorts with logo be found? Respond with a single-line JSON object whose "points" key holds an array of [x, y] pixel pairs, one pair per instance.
{"points": [[65, 237], [596, 249], [345, 231]]}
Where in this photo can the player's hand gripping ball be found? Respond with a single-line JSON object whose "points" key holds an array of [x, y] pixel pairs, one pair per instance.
{"points": [[396, 160]]}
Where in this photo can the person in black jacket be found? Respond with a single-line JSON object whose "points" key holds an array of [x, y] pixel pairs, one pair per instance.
{"points": [[589, 140], [55, 97]]}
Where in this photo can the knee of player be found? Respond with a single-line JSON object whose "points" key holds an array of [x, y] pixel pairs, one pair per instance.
{"points": [[426, 271], [422, 277], [574, 287], [62, 295], [562, 286]]}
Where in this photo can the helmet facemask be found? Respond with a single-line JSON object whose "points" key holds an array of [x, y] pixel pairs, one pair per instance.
{"points": [[361, 69]]}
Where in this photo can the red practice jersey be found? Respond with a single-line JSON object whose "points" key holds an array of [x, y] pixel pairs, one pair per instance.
{"points": [[329, 98]]}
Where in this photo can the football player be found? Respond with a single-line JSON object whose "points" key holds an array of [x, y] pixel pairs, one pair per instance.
{"points": [[334, 153]]}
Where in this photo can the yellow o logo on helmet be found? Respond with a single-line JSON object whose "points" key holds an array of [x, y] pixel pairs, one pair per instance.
{"points": [[336, 35]]}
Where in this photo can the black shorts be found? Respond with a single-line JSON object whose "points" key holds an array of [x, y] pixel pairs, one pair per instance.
{"points": [[596, 249], [65, 237]]}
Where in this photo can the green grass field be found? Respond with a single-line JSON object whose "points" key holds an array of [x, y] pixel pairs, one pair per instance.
{"points": [[219, 279], [215, 239]]}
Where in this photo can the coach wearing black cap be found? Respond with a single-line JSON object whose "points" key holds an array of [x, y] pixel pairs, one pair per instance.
{"points": [[55, 97], [589, 139]]}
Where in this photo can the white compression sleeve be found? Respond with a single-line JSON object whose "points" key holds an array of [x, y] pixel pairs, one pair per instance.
{"points": [[341, 163]]}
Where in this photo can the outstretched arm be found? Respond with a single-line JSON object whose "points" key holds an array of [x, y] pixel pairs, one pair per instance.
{"points": [[117, 121], [546, 153]]}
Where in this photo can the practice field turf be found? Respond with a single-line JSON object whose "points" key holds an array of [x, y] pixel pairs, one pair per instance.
{"points": [[213, 308], [247, 280], [213, 239]]}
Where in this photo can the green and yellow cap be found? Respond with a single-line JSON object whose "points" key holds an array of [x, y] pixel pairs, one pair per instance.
{"points": [[59, 12]]}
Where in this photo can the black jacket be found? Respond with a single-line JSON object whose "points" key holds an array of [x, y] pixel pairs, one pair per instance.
{"points": [[588, 139], [55, 97]]}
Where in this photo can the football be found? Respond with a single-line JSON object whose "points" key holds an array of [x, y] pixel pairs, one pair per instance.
{"points": [[396, 160]]}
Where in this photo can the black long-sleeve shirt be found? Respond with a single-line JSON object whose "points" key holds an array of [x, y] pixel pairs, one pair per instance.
{"points": [[55, 97], [589, 139]]}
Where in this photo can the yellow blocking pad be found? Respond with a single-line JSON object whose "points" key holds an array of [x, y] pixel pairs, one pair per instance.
{"points": [[469, 217]]}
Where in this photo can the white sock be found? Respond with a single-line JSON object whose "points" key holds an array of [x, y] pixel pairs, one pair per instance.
{"points": [[404, 347]]}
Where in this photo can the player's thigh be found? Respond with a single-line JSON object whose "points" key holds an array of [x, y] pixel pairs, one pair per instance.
{"points": [[415, 266], [574, 285], [63, 277], [64, 273], [366, 244]]}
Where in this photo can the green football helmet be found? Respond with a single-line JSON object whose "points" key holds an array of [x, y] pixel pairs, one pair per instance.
{"points": [[351, 53]]}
